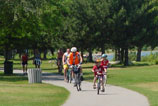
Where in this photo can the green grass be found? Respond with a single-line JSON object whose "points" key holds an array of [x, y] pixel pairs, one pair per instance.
{"points": [[15, 91], [141, 77]]}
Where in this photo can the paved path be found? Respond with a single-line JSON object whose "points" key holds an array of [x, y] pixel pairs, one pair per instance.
{"points": [[113, 95]]}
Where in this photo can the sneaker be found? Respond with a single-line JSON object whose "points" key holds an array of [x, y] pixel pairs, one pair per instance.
{"points": [[103, 90], [75, 85], [94, 86], [73, 80]]}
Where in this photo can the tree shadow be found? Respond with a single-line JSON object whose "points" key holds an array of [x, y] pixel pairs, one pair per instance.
{"points": [[12, 78]]}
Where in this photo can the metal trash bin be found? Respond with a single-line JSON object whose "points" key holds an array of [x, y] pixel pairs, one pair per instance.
{"points": [[35, 75], [8, 67]]}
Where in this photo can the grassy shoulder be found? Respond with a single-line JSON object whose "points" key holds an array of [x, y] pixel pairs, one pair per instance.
{"points": [[15, 91], [140, 77]]}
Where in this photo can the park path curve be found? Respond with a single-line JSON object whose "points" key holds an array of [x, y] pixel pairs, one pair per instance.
{"points": [[113, 95]]}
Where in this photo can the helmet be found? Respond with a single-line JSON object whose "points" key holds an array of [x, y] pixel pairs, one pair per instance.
{"points": [[97, 61], [104, 55], [73, 49]]}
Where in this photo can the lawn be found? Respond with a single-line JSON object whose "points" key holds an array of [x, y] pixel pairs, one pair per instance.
{"points": [[15, 91], [140, 77]]}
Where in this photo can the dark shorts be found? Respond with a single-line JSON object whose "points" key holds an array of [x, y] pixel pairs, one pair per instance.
{"points": [[24, 63], [60, 61]]}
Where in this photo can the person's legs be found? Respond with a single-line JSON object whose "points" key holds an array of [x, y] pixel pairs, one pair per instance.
{"points": [[23, 68], [26, 68], [65, 72], [94, 82]]}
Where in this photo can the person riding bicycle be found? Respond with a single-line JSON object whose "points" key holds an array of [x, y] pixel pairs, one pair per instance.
{"points": [[59, 58], [105, 62], [75, 58], [64, 60], [98, 71]]}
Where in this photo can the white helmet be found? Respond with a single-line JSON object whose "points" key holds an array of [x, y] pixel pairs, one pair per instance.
{"points": [[73, 49]]}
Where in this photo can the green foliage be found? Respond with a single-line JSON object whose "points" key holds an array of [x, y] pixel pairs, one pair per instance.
{"points": [[152, 58], [132, 56]]}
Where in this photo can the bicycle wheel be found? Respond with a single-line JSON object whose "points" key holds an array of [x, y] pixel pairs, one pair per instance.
{"points": [[67, 77], [98, 86], [70, 77], [79, 81], [105, 82]]}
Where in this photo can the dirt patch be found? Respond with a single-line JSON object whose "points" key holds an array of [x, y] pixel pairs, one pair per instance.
{"points": [[152, 85]]}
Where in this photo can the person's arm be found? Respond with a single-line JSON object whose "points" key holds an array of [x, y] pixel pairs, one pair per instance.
{"points": [[63, 59], [81, 59], [93, 70], [68, 58]]}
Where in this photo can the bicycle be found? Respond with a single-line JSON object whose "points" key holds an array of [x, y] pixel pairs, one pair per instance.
{"points": [[76, 70], [99, 77]]}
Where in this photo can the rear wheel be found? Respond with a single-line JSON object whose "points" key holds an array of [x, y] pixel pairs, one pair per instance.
{"points": [[105, 82]]}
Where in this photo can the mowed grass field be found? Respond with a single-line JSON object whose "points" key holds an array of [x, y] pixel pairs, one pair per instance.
{"points": [[15, 90], [140, 78]]}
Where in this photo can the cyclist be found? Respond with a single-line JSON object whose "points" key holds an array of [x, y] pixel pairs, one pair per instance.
{"points": [[105, 62], [59, 58], [75, 58], [98, 70], [64, 60]]}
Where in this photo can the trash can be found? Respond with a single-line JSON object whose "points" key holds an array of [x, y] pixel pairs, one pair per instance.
{"points": [[8, 67], [34, 75]]}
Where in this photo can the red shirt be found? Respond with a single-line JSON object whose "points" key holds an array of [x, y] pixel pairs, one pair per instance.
{"points": [[60, 54], [24, 58], [99, 69], [105, 63]]}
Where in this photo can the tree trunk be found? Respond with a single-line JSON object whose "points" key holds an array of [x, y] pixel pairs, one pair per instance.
{"points": [[139, 53], [103, 50], [6, 54], [126, 57], [116, 55], [82, 52], [52, 51], [119, 54], [122, 55], [45, 54], [90, 55]]}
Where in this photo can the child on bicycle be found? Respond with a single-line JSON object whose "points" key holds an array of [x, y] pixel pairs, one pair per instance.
{"points": [[98, 71], [105, 62]]}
